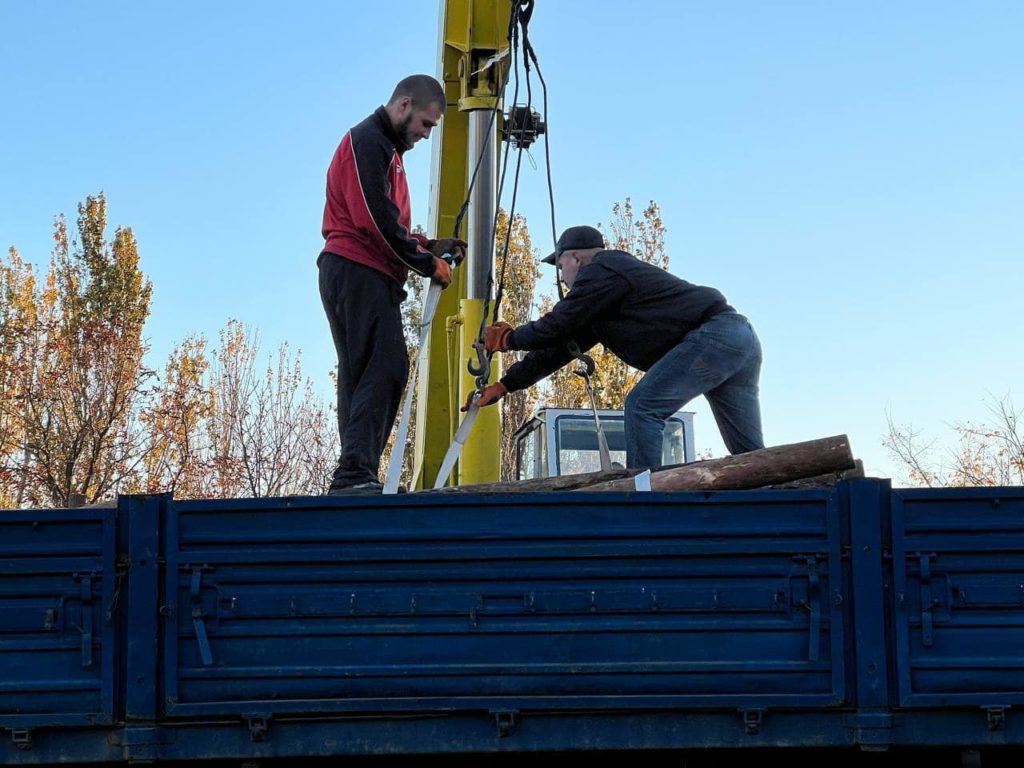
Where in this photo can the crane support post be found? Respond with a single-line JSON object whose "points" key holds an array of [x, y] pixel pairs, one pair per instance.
{"points": [[481, 456], [473, 66]]}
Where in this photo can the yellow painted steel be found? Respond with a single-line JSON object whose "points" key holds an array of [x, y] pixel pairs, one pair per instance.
{"points": [[472, 32], [481, 457]]}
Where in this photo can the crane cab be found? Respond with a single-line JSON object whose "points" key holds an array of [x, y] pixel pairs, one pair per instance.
{"points": [[563, 441]]}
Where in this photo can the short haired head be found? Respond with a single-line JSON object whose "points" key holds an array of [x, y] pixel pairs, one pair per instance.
{"points": [[423, 90]]}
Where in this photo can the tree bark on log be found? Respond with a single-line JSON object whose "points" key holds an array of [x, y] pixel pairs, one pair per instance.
{"points": [[821, 481], [778, 464]]}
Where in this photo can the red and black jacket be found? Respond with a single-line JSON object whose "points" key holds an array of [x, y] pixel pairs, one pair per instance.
{"points": [[367, 216]]}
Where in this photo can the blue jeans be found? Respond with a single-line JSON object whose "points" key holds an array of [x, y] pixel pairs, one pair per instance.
{"points": [[720, 360]]}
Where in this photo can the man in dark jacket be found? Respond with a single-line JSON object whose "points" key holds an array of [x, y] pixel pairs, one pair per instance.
{"points": [[686, 337], [365, 262]]}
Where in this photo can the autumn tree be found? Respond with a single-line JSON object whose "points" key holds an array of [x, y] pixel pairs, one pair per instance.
{"points": [[80, 362], [178, 456], [82, 417], [268, 432], [985, 454], [220, 425], [17, 334]]}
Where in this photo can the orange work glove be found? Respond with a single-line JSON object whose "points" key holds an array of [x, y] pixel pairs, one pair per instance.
{"points": [[492, 393], [452, 245], [442, 272], [496, 337]]}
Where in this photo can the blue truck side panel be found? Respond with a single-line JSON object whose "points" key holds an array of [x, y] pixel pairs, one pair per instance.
{"points": [[302, 627], [501, 602], [57, 586], [958, 559]]}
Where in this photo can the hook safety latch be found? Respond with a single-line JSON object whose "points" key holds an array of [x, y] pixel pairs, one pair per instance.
{"points": [[482, 370], [587, 361]]}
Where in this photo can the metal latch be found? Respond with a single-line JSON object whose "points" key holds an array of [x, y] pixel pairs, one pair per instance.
{"points": [[996, 717], [197, 617], [259, 725], [928, 602], [813, 606], [753, 719], [22, 738], [505, 720], [87, 628]]}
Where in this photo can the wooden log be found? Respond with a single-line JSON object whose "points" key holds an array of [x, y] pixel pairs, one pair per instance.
{"points": [[778, 464], [562, 483], [821, 481]]}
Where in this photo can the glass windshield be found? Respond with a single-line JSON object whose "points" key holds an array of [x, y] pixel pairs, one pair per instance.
{"points": [[576, 440]]}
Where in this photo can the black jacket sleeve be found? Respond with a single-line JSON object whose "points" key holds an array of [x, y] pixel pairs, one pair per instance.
{"points": [[542, 362], [595, 290], [373, 162]]}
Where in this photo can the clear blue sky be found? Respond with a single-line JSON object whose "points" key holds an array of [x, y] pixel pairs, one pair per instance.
{"points": [[850, 175]]}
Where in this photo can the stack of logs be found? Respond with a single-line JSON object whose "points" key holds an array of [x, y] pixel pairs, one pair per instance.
{"points": [[815, 462]]}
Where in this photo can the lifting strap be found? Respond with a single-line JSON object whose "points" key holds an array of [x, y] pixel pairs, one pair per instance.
{"points": [[398, 448], [585, 373], [455, 449]]}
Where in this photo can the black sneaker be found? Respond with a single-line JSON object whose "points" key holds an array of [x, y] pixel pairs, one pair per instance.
{"points": [[369, 488]]}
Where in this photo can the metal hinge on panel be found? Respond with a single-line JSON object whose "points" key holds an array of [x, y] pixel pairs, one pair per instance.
{"points": [[259, 726], [928, 601], [197, 617], [87, 628], [753, 719], [505, 720], [996, 717], [121, 569], [813, 607], [22, 738]]}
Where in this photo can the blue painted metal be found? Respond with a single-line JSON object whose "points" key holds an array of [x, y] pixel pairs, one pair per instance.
{"points": [[57, 586], [867, 502], [249, 629], [504, 602], [958, 567], [140, 621]]}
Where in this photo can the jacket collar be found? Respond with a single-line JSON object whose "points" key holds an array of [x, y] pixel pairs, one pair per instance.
{"points": [[384, 121]]}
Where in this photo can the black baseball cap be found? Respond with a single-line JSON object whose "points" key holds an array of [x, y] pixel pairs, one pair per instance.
{"points": [[575, 238]]}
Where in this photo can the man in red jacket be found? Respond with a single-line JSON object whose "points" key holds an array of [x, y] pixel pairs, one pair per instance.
{"points": [[368, 254]]}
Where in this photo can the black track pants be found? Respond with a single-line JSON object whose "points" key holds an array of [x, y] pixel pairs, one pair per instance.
{"points": [[363, 307]]}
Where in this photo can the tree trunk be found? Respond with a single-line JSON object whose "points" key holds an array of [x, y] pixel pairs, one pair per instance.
{"points": [[820, 481], [778, 464]]}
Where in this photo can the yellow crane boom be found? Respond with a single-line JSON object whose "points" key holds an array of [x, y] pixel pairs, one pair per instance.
{"points": [[473, 65]]}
